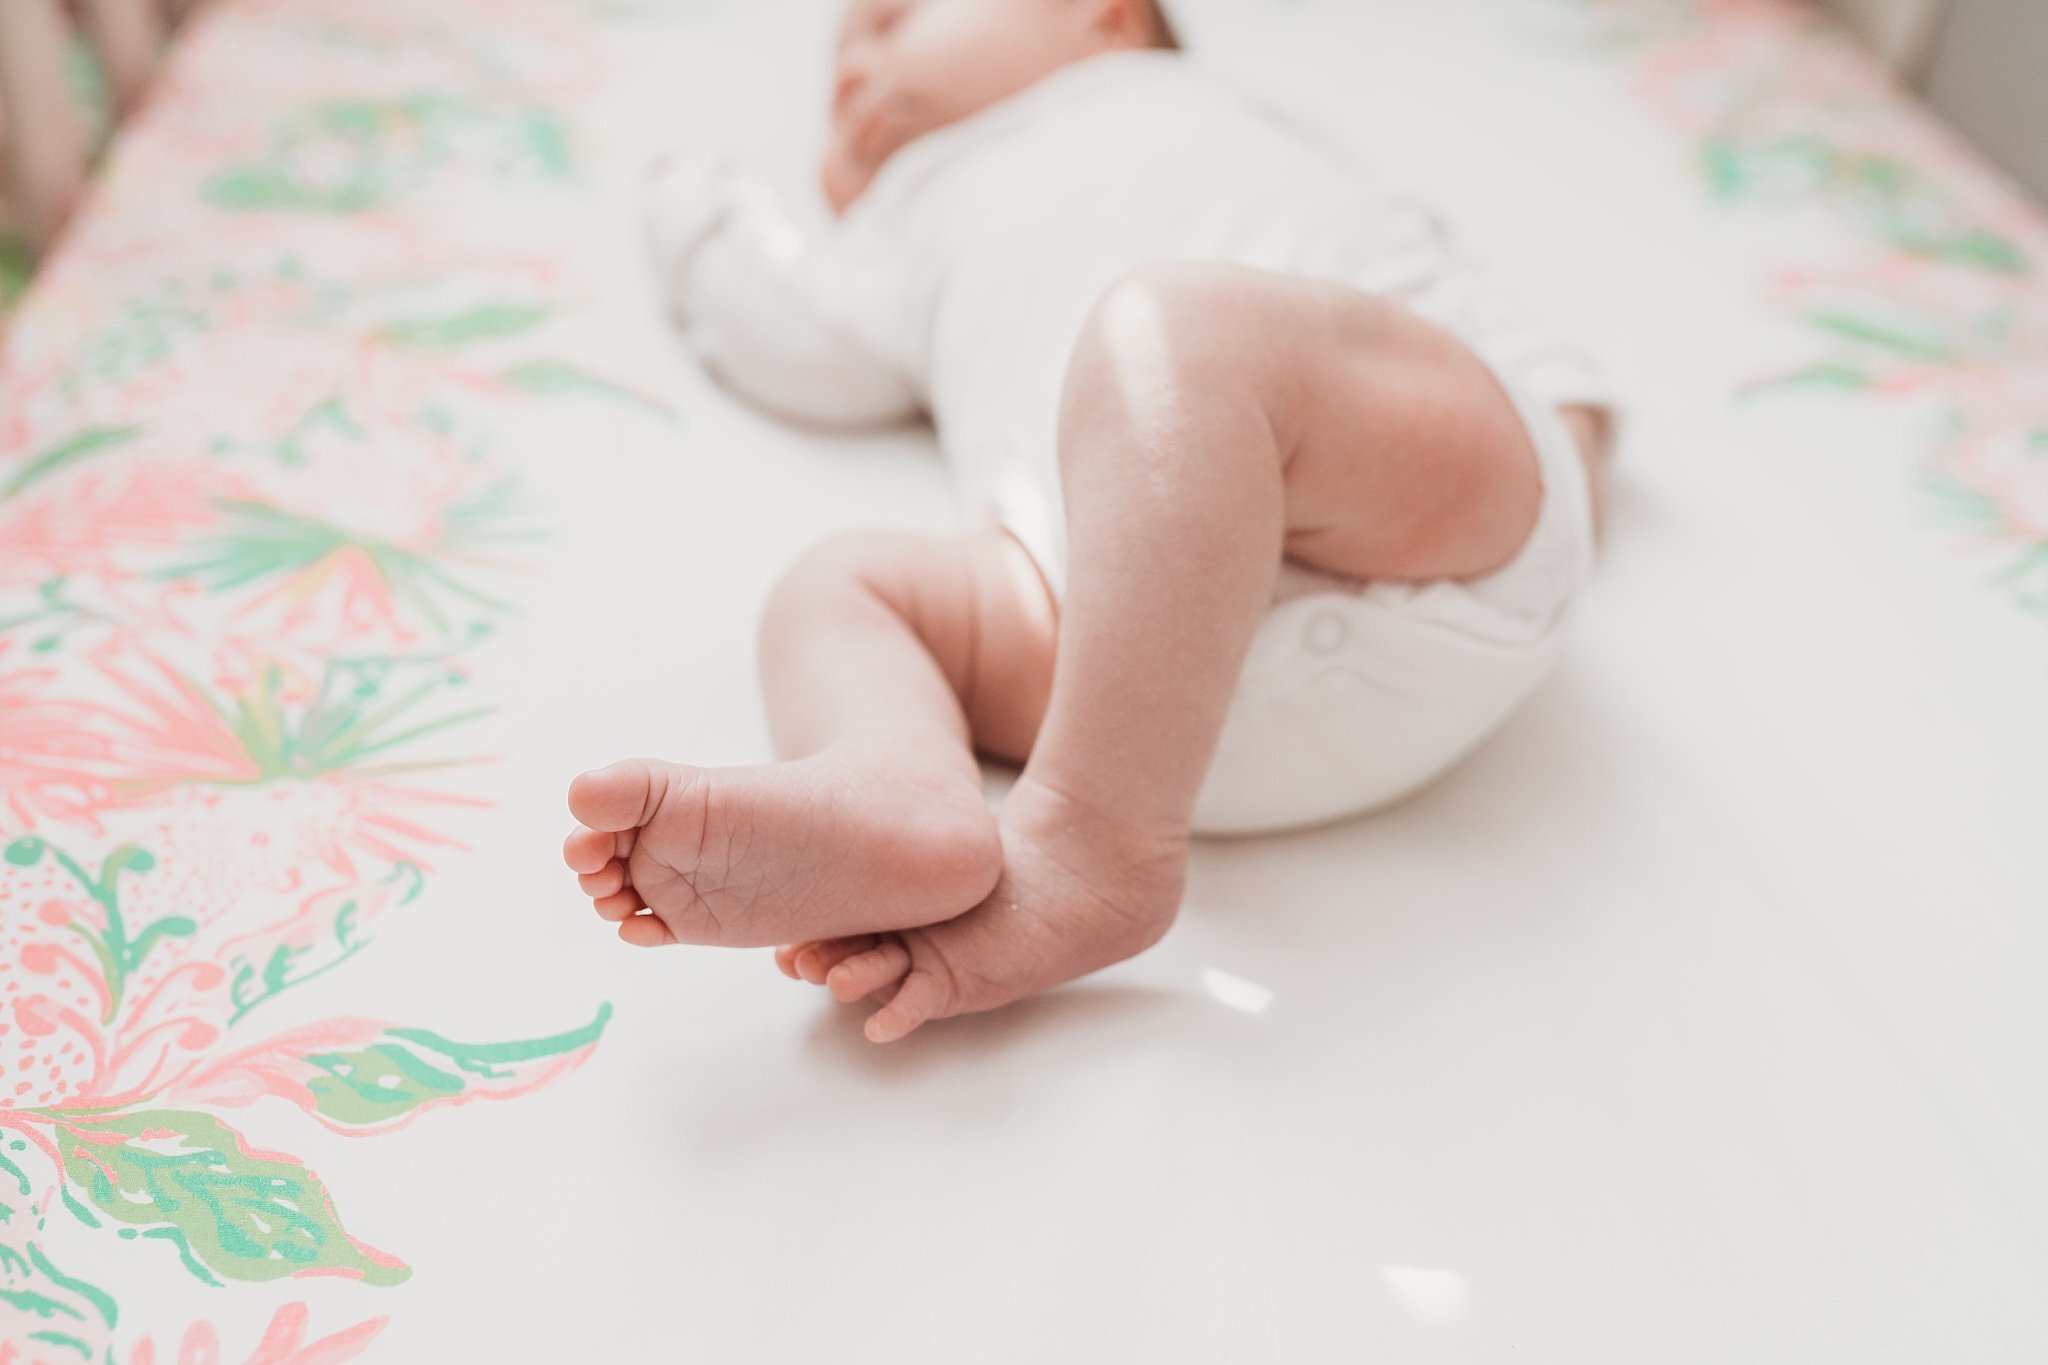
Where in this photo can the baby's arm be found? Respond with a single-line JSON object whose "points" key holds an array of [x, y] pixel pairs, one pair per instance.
{"points": [[772, 317]]}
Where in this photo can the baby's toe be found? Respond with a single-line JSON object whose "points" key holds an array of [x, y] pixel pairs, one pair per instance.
{"points": [[620, 905], [645, 931], [862, 974], [815, 961], [791, 956], [621, 796], [607, 881], [588, 850], [923, 995]]}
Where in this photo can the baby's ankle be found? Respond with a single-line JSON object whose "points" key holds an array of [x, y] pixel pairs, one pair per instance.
{"points": [[885, 756], [1047, 802]]}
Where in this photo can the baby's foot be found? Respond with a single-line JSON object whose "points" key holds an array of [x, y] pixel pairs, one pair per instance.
{"points": [[1077, 894], [849, 839]]}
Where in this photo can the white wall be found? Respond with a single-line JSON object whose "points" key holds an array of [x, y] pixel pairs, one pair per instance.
{"points": [[1989, 75], [1982, 63], [1902, 30]]}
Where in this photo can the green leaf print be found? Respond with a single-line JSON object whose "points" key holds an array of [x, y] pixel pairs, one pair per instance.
{"points": [[119, 955], [376, 1084], [486, 322], [1852, 328], [409, 1069], [349, 156], [283, 969], [1726, 168], [336, 157], [547, 139], [1822, 376], [1975, 247], [73, 448], [233, 1213], [558, 378], [330, 414], [339, 732], [257, 542], [256, 188], [39, 1292]]}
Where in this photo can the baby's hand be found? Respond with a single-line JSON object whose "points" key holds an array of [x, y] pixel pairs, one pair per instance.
{"points": [[685, 194], [691, 197]]}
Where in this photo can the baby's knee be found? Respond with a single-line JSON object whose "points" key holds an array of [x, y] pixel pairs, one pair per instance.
{"points": [[1181, 288], [900, 571], [1163, 306], [851, 562], [1171, 331]]}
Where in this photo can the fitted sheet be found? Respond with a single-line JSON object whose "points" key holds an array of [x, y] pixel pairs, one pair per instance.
{"points": [[353, 495]]}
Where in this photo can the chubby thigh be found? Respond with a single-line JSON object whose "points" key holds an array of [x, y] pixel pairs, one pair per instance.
{"points": [[1403, 465], [1410, 478], [1356, 694], [1402, 455]]}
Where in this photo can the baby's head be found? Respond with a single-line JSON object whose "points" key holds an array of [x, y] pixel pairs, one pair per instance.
{"points": [[907, 67]]}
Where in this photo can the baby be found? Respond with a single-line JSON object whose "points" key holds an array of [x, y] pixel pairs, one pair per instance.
{"points": [[1284, 509]]}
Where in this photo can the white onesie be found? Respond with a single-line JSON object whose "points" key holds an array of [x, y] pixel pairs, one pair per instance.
{"points": [[957, 285]]}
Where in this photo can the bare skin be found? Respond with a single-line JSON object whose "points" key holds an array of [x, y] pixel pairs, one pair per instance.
{"points": [[1289, 417], [908, 67], [1216, 420]]}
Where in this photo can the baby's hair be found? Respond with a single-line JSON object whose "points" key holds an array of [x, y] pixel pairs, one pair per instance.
{"points": [[1163, 36]]}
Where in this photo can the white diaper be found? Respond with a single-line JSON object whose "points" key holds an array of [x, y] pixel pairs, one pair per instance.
{"points": [[1355, 695]]}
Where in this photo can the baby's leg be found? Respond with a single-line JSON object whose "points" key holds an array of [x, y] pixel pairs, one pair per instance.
{"points": [[879, 653], [1215, 418]]}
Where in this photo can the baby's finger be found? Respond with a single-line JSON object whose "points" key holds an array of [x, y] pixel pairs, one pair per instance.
{"points": [[587, 850], [606, 882], [863, 974]]}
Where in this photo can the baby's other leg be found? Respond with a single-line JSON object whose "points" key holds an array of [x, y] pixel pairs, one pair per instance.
{"points": [[1215, 419], [880, 652], [934, 643], [1218, 418]]}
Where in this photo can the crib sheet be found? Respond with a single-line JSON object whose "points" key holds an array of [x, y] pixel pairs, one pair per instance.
{"points": [[354, 495]]}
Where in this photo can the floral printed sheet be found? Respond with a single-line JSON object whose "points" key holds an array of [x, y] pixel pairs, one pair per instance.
{"points": [[259, 524], [1929, 296], [352, 495]]}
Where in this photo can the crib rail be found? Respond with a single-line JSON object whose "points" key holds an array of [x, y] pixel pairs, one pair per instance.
{"points": [[46, 139]]}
